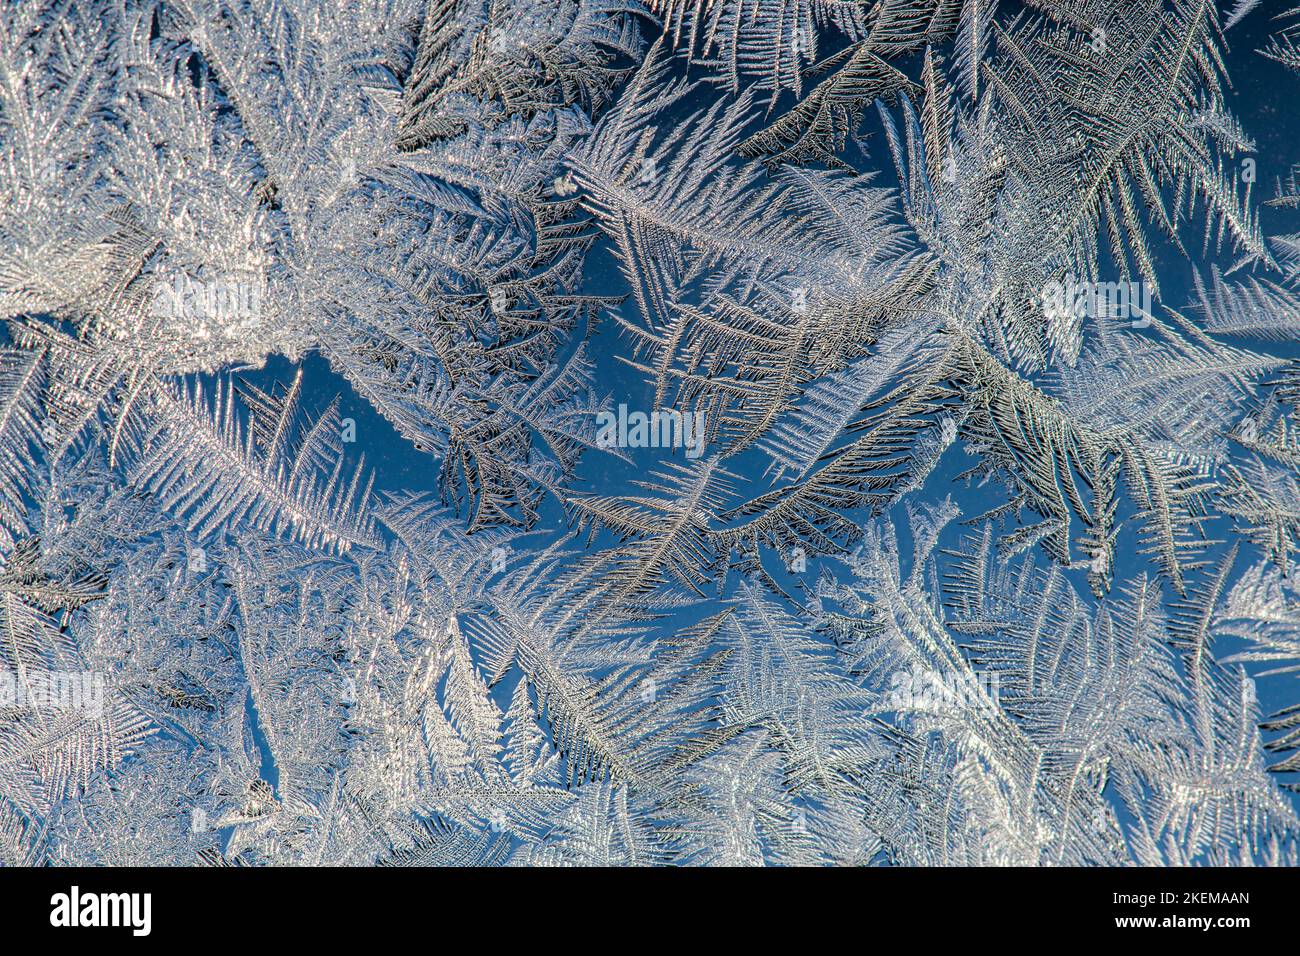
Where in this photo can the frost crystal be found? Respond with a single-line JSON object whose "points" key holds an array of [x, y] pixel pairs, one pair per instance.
{"points": [[584, 432]]}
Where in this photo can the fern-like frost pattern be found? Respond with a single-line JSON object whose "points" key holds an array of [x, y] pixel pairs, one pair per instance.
{"points": [[695, 432]]}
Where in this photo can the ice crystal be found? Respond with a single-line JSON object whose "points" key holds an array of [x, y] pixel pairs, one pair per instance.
{"points": [[953, 520]]}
